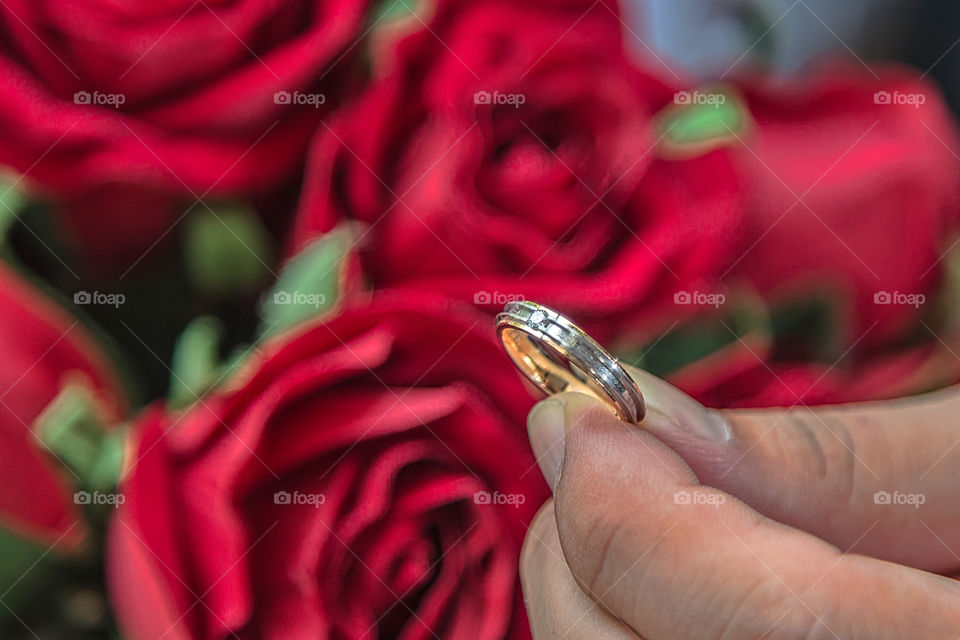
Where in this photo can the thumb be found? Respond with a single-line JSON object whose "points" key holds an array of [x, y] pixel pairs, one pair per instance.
{"points": [[875, 478]]}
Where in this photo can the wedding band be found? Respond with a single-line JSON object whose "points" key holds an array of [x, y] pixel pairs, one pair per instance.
{"points": [[556, 355]]}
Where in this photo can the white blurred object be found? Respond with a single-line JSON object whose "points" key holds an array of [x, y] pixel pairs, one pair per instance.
{"points": [[712, 38]]}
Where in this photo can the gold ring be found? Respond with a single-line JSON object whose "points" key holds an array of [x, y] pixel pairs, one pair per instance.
{"points": [[557, 355]]}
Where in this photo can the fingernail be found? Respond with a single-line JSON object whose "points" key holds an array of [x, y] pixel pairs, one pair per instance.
{"points": [[670, 408], [545, 427]]}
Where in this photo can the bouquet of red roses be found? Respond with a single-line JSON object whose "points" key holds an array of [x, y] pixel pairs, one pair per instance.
{"points": [[251, 385]]}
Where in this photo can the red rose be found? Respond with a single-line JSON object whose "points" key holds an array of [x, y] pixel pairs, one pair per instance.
{"points": [[129, 113], [874, 161], [510, 152], [348, 469], [749, 374], [43, 348]]}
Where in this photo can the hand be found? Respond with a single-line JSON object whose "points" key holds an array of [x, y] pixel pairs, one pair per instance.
{"points": [[796, 523]]}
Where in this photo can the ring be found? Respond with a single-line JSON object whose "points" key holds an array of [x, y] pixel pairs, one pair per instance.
{"points": [[557, 355]]}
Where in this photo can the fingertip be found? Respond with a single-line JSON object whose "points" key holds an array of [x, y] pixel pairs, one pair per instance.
{"points": [[545, 428], [547, 425]]}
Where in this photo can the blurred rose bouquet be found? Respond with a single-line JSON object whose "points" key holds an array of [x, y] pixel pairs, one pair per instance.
{"points": [[252, 253]]}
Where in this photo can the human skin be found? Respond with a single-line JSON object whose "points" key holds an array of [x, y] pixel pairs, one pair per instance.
{"points": [[833, 522]]}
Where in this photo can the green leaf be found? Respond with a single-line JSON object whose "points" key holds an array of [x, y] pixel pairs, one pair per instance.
{"points": [[25, 570], [806, 328], [944, 312], [73, 429], [802, 328], [13, 200], [227, 250], [701, 120], [12, 196], [393, 10], [195, 366], [696, 339], [308, 285]]}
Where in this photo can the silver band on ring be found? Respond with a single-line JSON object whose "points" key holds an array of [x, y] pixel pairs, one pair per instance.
{"points": [[556, 355]]}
